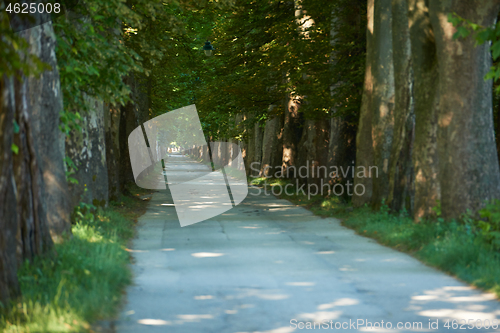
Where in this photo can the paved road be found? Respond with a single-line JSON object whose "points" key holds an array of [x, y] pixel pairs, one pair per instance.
{"points": [[270, 266]]}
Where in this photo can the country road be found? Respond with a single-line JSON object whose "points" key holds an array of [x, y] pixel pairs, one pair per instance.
{"points": [[270, 266]]}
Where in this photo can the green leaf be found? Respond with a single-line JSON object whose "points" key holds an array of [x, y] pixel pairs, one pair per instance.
{"points": [[16, 126], [462, 32], [495, 48], [14, 148]]}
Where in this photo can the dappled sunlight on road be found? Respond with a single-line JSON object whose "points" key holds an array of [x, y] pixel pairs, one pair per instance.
{"points": [[266, 262], [202, 297], [467, 303], [154, 322], [325, 252], [194, 317], [339, 302], [207, 255], [319, 316], [277, 330]]}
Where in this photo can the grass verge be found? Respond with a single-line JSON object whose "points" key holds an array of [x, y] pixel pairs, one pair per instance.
{"points": [[84, 279], [460, 247]]}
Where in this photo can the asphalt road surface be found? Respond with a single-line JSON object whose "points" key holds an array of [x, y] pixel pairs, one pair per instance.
{"points": [[270, 266]]}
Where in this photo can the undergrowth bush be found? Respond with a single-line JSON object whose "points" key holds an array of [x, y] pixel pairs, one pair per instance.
{"points": [[80, 283]]}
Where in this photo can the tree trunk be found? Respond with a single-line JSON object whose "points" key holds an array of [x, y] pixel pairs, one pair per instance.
{"points": [[128, 122], [426, 98], [112, 130], [87, 149], [9, 286], [133, 114], [259, 143], [383, 100], [313, 152], [364, 141], [341, 153], [400, 171], [33, 235], [469, 170], [290, 131], [250, 148], [342, 139], [45, 105], [272, 149]]}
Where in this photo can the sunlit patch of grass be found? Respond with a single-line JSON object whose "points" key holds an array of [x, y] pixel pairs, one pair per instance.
{"points": [[82, 282]]}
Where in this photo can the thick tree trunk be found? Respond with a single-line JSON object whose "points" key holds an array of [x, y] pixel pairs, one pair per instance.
{"points": [[259, 143], [249, 138], [9, 286], [87, 149], [342, 153], [45, 106], [290, 131], [342, 140], [364, 141], [426, 97], [239, 125], [128, 122], [383, 100], [33, 235], [400, 170], [313, 152], [469, 170], [134, 114], [112, 130], [272, 147]]}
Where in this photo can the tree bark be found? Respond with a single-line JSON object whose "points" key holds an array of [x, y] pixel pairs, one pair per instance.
{"points": [[112, 130], [259, 143], [290, 131], [426, 97], [469, 170], [133, 114], [272, 146], [400, 170], [342, 140], [9, 286], [45, 105], [383, 100], [364, 141], [250, 147], [87, 149], [33, 235], [313, 151], [341, 152]]}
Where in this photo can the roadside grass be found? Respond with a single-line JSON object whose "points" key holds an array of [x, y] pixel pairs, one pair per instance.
{"points": [[460, 248], [83, 280]]}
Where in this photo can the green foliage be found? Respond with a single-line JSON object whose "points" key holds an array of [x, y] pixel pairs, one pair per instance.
{"points": [[82, 283], [14, 148], [70, 170], [264, 56], [92, 56], [84, 212], [16, 59], [482, 34], [109, 41], [490, 226]]}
